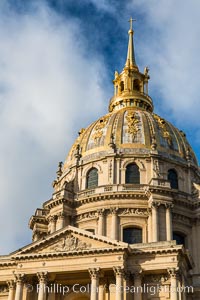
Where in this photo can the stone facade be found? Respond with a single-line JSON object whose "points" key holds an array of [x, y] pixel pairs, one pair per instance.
{"points": [[127, 230]]}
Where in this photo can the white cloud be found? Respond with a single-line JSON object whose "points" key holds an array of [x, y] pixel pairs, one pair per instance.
{"points": [[46, 94], [103, 5]]}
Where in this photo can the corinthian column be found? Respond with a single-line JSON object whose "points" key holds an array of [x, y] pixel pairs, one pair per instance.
{"points": [[101, 229], [11, 287], [169, 222], [138, 285], [41, 288], [19, 278], [102, 284], [94, 274], [173, 289], [119, 274], [114, 223], [154, 222]]}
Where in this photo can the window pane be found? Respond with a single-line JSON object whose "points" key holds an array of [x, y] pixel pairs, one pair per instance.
{"points": [[173, 179], [179, 238], [92, 178], [132, 235], [132, 174]]}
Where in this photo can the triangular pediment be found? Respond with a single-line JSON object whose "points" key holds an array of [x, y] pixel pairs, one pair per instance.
{"points": [[71, 239]]}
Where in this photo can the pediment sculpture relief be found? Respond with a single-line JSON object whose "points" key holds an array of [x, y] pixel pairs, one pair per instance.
{"points": [[70, 243]]}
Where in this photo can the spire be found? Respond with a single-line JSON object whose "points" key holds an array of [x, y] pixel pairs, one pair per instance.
{"points": [[130, 61], [131, 86]]}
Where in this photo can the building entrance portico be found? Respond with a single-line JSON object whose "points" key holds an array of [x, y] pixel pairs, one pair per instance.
{"points": [[117, 271]]}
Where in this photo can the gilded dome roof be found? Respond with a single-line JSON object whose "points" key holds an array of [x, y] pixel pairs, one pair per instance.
{"points": [[131, 131], [131, 127]]}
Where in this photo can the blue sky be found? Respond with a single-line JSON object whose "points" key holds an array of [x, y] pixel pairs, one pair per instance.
{"points": [[57, 62]]}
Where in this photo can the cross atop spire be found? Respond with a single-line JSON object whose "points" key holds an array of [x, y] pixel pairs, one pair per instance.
{"points": [[131, 23], [130, 61]]}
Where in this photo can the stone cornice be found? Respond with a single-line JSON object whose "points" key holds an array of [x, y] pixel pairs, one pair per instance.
{"points": [[55, 202], [184, 202], [8, 263], [67, 253], [37, 219], [140, 251], [113, 195], [155, 251]]}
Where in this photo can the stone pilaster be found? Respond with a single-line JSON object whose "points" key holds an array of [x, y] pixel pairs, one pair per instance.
{"points": [[114, 223], [101, 221], [52, 220], [169, 234], [173, 273], [60, 221], [119, 274], [94, 274], [11, 287], [42, 277], [149, 228], [154, 207], [19, 279]]}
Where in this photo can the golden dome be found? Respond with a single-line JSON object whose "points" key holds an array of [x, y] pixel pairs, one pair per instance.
{"points": [[131, 127], [131, 131]]}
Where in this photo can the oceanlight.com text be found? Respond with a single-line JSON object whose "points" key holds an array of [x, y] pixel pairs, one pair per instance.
{"points": [[79, 288]]}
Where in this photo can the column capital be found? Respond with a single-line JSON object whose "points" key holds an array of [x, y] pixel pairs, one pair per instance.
{"points": [[11, 284], [155, 204], [114, 210], [173, 272], [61, 215], [52, 218], [101, 212], [119, 271], [169, 205], [19, 277], [94, 273], [42, 277]]}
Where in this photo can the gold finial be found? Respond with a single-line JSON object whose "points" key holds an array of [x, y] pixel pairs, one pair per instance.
{"points": [[131, 23], [130, 61]]}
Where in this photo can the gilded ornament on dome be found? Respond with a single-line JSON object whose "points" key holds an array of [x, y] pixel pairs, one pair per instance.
{"points": [[133, 123], [163, 128], [98, 129], [81, 131]]}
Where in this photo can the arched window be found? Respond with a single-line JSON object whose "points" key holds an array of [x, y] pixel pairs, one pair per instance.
{"points": [[173, 178], [179, 238], [132, 235], [92, 178], [132, 174]]}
